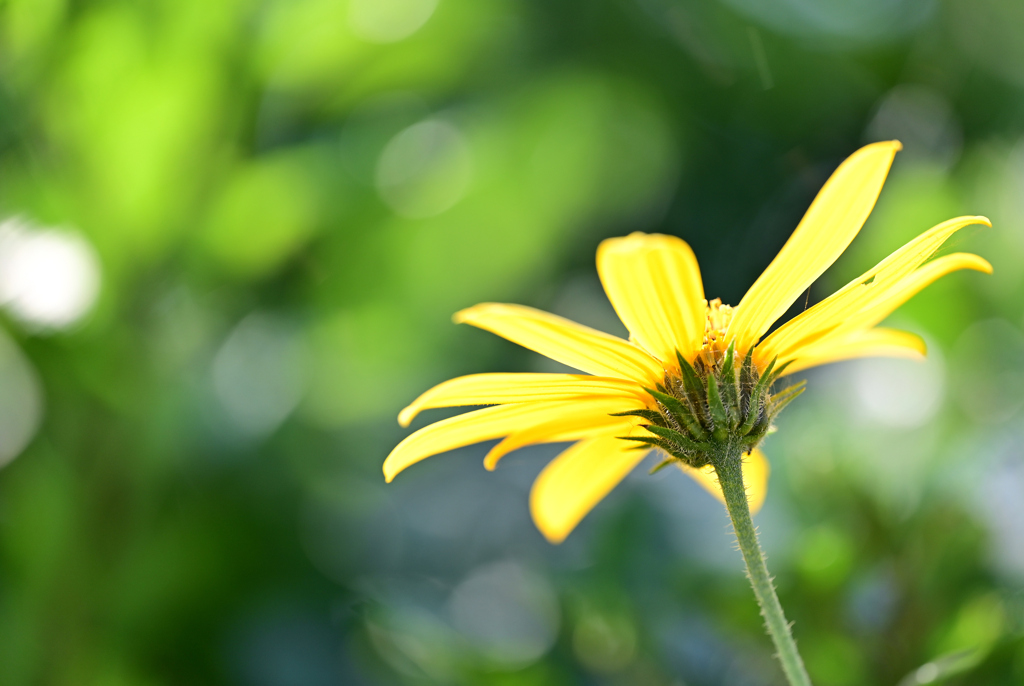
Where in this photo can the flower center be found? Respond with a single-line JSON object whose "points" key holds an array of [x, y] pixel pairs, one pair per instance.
{"points": [[715, 326]]}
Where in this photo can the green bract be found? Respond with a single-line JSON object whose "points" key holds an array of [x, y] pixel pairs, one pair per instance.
{"points": [[711, 404]]}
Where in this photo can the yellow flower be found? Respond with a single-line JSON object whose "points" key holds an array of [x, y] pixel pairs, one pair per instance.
{"points": [[654, 284]]}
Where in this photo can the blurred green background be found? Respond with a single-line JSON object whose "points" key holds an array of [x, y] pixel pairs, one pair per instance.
{"points": [[233, 236]]}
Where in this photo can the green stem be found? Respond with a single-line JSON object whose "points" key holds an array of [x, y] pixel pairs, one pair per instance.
{"points": [[730, 476]]}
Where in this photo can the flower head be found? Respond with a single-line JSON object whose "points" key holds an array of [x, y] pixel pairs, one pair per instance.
{"points": [[694, 373]]}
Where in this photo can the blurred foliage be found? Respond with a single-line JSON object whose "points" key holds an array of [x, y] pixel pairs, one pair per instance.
{"points": [[288, 200]]}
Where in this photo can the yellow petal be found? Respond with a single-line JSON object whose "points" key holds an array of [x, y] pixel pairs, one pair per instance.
{"points": [[574, 482], [851, 322], [887, 300], [564, 341], [571, 424], [498, 389], [654, 284], [892, 275], [831, 222], [755, 478], [876, 342], [489, 423], [861, 313]]}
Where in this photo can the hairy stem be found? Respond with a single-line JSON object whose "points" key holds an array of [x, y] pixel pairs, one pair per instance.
{"points": [[730, 476]]}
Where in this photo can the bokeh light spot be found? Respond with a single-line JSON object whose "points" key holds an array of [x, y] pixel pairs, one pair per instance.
{"points": [[259, 374], [900, 393], [927, 673], [922, 120], [264, 214], [989, 371], [21, 400], [425, 169], [49, 278], [389, 21], [998, 501], [508, 612], [869, 21], [604, 642], [824, 556]]}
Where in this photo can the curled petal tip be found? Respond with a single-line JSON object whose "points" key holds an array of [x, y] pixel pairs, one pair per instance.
{"points": [[552, 532], [984, 220], [918, 354], [894, 145], [970, 261], [465, 315], [554, 538], [406, 416], [922, 348]]}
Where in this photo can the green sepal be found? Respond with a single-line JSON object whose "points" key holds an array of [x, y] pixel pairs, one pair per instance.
{"points": [[754, 406], [661, 465], [718, 413], [684, 442], [728, 360], [747, 377], [695, 392], [691, 380], [785, 397], [767, 373], [693, 426], [671, 403], [753, 412], [650, 415], [730, 386], [778, 372], [748, 359], [680, 412], [750, 441], [648, 440]]}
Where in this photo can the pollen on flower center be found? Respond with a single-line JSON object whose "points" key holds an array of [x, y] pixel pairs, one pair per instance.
{"points": [[716, 324]]}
